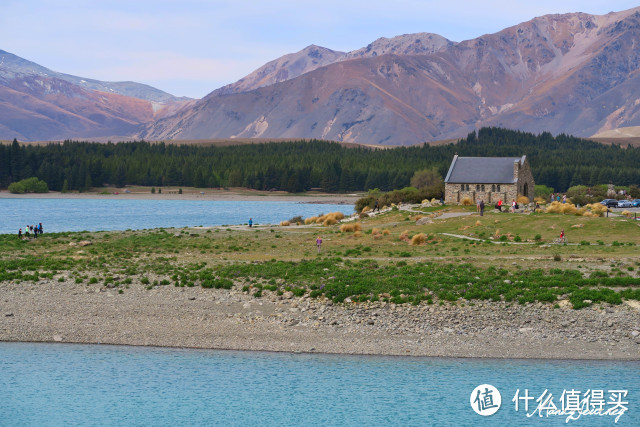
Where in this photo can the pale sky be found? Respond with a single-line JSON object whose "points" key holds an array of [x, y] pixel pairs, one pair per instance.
{"points": [[191, 47]]}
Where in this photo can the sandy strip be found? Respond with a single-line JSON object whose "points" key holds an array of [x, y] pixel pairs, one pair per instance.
{"points": [[246, 195], [167, 316]]}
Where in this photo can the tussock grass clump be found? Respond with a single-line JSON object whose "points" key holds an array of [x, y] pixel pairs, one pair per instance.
{"points": [[285, 223], [418, 239], [331, 218], [357, 234], [597, 209], [365, 209], [385, 232], [350, 228], [310, 220], [590, 210], [404, 236], [418, 217], [478, 223], [562, 208], [329, 221], [375, 231], [522, 200], [626, 213], [466, 201]]}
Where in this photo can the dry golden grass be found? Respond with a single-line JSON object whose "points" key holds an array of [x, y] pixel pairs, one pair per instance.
{"points": [[365, 209], [418, 217], [350, 228], [540, 200], [597, 209], [285, 223], [522, 200], [627, 213], [376, 232], [591, 210], [331, 218], [310, 220], [466, 202], [357, 234], [385, 232], [405, 235], [478, 223], [418, 239]]}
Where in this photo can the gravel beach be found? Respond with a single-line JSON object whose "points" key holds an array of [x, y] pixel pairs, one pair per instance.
{"points": [[51, 311]]}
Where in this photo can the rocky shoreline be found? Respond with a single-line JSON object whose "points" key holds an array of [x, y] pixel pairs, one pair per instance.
{"points": [[51, 311]]}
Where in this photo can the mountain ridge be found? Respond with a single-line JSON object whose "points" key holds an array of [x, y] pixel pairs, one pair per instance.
{"points": [[563, 73], [546, 74]]}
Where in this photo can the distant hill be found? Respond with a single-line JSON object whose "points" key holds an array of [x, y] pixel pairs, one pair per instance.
{"points": [[38, 103], [572, 73]]}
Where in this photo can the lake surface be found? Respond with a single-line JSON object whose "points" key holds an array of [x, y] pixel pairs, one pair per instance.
{"points": [[65, 384], [59, 215]]}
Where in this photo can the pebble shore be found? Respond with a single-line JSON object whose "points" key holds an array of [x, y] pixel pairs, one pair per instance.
{"points": [[51, 311]]}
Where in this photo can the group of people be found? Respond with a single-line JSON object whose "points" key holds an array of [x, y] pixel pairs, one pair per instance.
{"points": [[30, 230], [498, 205], [557, 198]]}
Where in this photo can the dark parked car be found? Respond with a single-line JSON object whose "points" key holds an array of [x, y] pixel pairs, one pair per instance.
{"points": [[610, 203], [636, 203], [624, 204]]}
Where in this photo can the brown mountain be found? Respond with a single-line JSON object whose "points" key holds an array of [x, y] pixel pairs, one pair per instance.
{"points": [[40, 104], [571, 73]]}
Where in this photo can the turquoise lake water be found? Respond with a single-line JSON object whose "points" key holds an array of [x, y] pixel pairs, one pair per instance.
{"points": [[59, 215], [65, 384]]}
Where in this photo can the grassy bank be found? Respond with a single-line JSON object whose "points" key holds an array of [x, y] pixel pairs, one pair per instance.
{"points": [[458, 260]]}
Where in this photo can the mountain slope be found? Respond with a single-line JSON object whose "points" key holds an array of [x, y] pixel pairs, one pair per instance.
{"points": [[39, 104], [572, 73]]}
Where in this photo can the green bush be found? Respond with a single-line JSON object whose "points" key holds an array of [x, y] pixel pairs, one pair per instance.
{"points": [[29, 185]]}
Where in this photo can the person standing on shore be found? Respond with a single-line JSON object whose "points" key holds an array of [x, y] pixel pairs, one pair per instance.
{"points": [[376, 206], [20, 234], [40, 228], [26, 232], [319, 243], [250, 222]]}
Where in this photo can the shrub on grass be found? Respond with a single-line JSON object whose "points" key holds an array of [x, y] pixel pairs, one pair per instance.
{"points": [[522, 200], [285, 223], [418, 239], [310, 220], [466, 201], [350, 228]]}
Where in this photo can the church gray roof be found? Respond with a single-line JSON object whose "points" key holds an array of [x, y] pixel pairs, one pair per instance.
{"points": [[482, 170]]}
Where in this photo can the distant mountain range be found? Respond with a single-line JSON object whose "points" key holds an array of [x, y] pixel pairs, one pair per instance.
{"points": [[40, 104], [572, 73]]}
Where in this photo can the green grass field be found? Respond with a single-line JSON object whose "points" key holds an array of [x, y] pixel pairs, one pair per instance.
{"points": [[512, 258]]}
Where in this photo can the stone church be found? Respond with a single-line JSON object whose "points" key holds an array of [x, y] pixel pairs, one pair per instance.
{"points": [[489, 179]]}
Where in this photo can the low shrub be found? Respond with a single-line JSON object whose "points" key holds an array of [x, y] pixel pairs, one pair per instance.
{"points": [[418, 239], [350, 228]]}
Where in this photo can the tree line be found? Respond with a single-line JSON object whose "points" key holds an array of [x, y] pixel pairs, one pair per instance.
{"points": [[559, 162]]}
